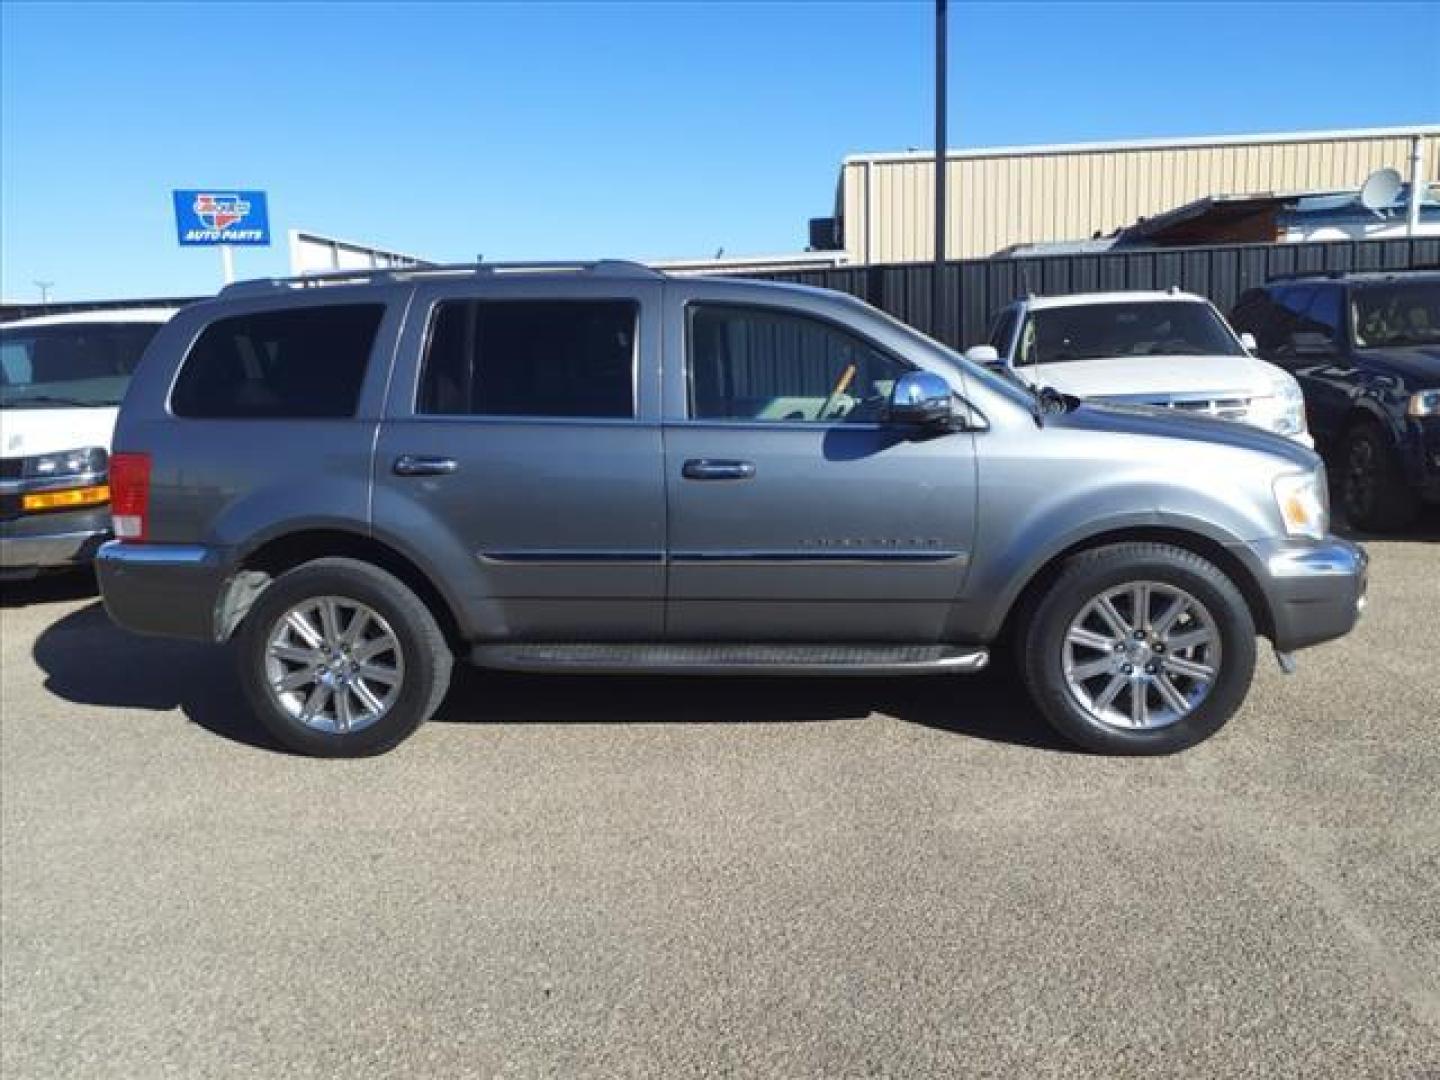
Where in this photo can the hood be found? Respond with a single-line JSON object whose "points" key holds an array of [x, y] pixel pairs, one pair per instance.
{"points": [[1158, 422], [1158, 376], [1419, 364], [25, 432]]}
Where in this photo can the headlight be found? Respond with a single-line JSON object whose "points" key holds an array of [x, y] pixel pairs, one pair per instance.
{"points": [[1287, 413], [1424, 403], [90, 459], [1304, 504]]}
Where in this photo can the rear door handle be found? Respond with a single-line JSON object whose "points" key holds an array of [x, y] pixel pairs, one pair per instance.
{"points": [[710, 469], [423, 465]]}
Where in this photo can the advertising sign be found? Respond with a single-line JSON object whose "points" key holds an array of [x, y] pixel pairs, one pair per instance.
{"points": [[222, 216]]}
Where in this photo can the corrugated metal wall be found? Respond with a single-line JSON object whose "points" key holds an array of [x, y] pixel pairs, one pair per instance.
{"points": [[1015, 197], [976, 289]]}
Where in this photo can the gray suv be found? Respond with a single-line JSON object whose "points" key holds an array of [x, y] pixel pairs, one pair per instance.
{"points": [[598, 468]]}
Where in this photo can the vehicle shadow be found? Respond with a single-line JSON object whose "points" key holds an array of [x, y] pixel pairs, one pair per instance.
{"points": [[90, 661], [48, 588]]}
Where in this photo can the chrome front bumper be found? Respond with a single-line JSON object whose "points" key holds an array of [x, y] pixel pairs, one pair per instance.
{"points": [[1316, 591], [37, 542]]}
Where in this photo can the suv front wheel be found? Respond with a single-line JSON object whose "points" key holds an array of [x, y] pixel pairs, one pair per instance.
{"points": [[339, 658], [1139, 649]]}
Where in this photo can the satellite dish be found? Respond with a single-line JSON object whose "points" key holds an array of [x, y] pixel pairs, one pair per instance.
{"points": [[1380, 190]]}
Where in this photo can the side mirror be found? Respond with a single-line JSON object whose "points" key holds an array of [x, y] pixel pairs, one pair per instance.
{"points": [[922, 398], [985, 356], [1247, 339], [1310, 343]]}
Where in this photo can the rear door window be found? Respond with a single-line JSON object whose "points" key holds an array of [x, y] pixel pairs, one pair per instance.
{"points": [[295, 363], [535, 358]]}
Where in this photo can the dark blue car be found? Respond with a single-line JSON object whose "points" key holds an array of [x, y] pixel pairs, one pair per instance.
{"points": [[1366, 350]]}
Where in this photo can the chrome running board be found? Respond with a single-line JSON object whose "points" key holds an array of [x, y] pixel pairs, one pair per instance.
{"points": [[721, 659]]}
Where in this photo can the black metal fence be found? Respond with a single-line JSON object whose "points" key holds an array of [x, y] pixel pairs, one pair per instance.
{"points": [[976, 289]]}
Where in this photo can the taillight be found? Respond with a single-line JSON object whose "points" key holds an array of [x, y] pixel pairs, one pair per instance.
{"points": [[130, 496]]}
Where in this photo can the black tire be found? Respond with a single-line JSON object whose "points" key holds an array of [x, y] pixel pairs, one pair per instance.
{"points": [[427, 659], [1090, 574], [1373, 492]]}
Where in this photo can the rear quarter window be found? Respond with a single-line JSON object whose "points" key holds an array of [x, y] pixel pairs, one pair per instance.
{"points": [[293, 363]]}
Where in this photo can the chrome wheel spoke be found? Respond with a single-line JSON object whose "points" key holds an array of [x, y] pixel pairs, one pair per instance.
{"points": [[316, 702], [1079, 635], [330, 621], [1189, 640], [379, 673], [294, 655], [302, 627], [355, 628], [1139, 705], [1112, 689], [367, 698], [1189, 668], [1171, 693], [1118, 626], [298, 678], [342, 708], [1089, 670], [1168, 617], [368, 650], [1140, 606]]}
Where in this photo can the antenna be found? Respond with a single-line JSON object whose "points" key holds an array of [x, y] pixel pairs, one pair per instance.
{"points": [[1380, 190]]}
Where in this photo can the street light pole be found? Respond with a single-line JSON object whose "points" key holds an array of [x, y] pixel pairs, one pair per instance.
{"points": [[937, 293], [44, 287]]}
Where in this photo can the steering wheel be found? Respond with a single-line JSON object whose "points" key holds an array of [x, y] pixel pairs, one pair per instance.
{"points": [[838, 391]]}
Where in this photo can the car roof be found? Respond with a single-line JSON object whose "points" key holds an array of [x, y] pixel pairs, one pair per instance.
{"points": [[1356, 277], [1039, 303], [97, 315]]}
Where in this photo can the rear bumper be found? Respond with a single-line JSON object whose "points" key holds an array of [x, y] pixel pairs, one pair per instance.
{"points": [[47, 541], [165, 589], [1316, 591]]}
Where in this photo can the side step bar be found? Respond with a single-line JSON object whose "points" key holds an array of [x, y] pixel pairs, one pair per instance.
{"points": [[722, 659]]}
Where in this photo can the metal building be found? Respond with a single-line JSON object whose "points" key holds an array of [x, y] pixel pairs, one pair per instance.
{"points": [[1031, 194]]}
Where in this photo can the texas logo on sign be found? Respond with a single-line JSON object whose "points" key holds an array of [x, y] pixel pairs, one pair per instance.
{"points": [[220, 216]]}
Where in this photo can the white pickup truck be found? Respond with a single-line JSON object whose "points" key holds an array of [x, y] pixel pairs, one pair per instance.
{"points": [[1171, 349], [61, 381]]}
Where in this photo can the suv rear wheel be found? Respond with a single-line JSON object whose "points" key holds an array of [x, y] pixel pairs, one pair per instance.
{"points": [[1139, 649], [340, 659]]}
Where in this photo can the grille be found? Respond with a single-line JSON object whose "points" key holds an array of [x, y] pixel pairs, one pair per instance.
{"points": [[1224, 408], [11, 468]]}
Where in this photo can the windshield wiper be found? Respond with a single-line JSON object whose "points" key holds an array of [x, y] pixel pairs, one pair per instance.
{"points": [[53, 399]]}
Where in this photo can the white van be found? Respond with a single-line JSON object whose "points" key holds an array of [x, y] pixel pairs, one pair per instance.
{"points": [[61, 381], [1171, 349]]}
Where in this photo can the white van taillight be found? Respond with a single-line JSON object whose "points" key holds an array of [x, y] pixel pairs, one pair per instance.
{"points": [[130, 496]]}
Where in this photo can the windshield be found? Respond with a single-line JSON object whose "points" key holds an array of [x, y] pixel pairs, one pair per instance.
{"points": [[71, 364], [1142, 328], [1402, 314]]}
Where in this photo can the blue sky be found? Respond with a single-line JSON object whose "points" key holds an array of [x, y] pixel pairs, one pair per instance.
{"points": [[641, 130]]}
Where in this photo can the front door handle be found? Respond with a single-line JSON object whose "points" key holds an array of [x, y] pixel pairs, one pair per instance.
{"points": [[711, 469], [423, 465]]}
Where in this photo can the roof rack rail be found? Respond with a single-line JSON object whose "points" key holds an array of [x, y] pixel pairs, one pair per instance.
{"points": [[370, 276], [1300, 275]]}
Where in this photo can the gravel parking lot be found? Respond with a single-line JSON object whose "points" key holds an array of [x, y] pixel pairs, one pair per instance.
{"points": [[662, 877]]}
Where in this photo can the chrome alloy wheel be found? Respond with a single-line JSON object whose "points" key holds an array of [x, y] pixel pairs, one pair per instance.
{"points": [[1142, 655], [334, 664]]}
